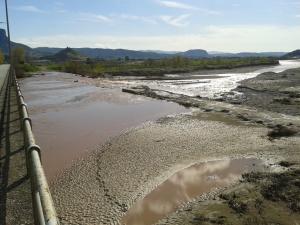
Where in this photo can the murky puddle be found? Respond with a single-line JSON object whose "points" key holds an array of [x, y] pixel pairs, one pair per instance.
{"points": [[71, 118], [187, 184]]}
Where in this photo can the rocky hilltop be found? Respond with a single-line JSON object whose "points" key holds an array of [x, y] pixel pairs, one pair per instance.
{"points": [[292, 55]]}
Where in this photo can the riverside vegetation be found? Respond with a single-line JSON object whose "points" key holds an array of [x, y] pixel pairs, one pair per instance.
{"points": [[1, 57], [150, 67], [21, 64]]}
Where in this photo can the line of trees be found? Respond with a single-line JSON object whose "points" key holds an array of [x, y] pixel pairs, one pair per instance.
{"points": [[178, 64], [20, 64], [1, 57], [18, 58]]}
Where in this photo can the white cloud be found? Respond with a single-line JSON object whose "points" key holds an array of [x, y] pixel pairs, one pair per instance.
{"points": [[176, 5], [222, 38], [137, 18], [95, 18], [179, 5], [28, 8], [298, 16], [176, 21]]}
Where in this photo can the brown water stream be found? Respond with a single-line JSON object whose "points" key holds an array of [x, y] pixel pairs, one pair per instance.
{"points": [[185, 185], [71, 118]]}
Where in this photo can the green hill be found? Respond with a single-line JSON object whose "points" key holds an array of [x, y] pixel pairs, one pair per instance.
{"points": [[67, 54]]}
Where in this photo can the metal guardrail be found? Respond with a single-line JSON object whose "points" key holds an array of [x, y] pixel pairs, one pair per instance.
{"points": [[43, 206]]}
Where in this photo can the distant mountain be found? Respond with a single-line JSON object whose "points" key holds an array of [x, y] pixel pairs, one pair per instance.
{"points": [[194, 53], [122, 53], [4, 44], [260, 54], [102, 53], [246, 54], [292, 55], [162, 52], [67, 54], [45, 51]]}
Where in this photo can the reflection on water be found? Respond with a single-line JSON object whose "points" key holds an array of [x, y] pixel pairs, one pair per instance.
{"points": [[70, 117], [185, 185]]}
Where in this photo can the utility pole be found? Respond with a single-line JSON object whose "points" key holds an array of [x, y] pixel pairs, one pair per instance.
{"points": [[8, 34]]}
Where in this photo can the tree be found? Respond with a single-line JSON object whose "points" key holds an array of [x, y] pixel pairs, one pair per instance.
{"points": [[18, 60], [1, 57], [18, 56]]}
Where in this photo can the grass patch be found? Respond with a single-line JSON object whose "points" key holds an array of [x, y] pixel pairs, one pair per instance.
{"points": [[25, 70]]}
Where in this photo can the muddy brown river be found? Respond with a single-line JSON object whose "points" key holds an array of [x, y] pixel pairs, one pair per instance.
{"points": [[71, 116]]}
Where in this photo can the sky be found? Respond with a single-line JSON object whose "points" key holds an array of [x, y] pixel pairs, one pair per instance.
{"points": [[179, 25]]}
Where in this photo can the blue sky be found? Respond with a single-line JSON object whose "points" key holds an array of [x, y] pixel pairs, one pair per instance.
{"points": [[215, 25]]}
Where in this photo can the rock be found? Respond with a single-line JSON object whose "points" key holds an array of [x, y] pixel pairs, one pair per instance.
{"points": [[283, 100], [281, 131]]}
